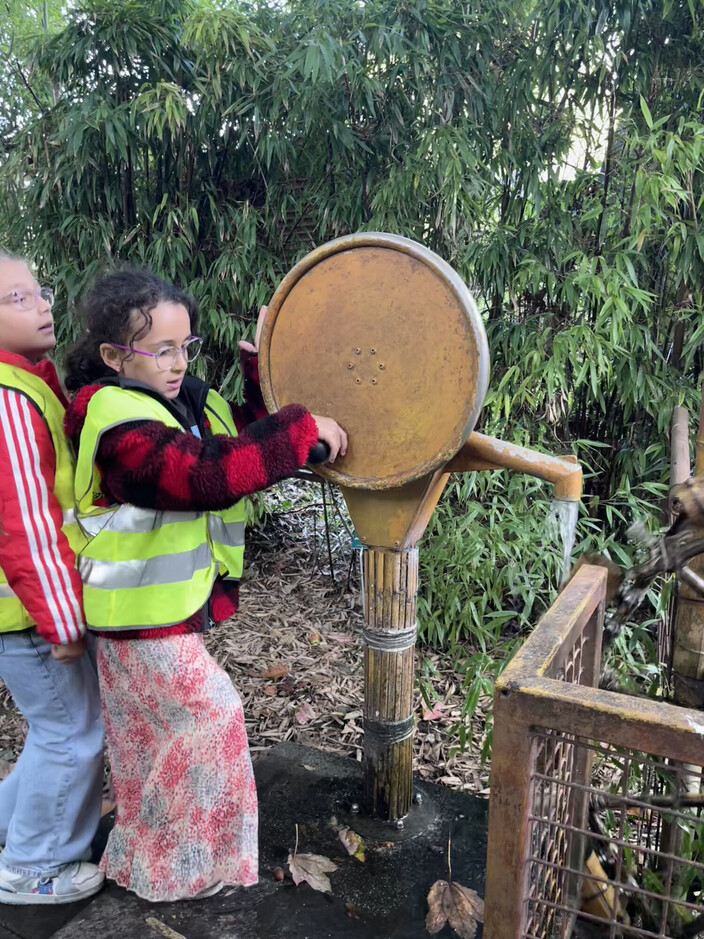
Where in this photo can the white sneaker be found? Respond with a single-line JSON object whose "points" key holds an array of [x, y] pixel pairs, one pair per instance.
{"points": [[207, 892], [74, 881]]}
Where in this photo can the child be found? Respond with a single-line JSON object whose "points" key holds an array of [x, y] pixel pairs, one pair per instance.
{"points": [[159, 480], [50, 802]]}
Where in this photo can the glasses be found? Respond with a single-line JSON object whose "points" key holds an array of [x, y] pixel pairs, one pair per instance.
{"points": [[166, 358], [28, 299]]}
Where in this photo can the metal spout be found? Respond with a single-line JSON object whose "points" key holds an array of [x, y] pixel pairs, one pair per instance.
{"points": [[486, 453]]}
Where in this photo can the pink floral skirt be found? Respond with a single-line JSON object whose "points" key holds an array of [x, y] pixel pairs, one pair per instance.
{"points": [[182, 775]]}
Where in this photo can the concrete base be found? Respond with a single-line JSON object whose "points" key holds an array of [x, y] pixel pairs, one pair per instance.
{"points": [[383, 898]]}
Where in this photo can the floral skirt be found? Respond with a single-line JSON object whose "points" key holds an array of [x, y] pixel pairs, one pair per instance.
{"points": [[184, 787]]}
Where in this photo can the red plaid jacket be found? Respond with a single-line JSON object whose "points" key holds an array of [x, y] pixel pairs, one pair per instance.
{"points": [[148, 464]]}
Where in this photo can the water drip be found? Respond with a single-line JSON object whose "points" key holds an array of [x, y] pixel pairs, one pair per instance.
{"points": [[564, 516]]}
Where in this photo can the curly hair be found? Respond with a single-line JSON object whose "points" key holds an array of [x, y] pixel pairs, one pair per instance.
{"points": [[117, 309]]}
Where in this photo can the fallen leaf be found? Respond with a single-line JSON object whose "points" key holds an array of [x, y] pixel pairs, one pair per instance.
{"points": [[166, 931], [275, 671], [314, 637], [311, 868], [353, 842], [436, 713], [454, 904], [270, 690], [304, 714]]}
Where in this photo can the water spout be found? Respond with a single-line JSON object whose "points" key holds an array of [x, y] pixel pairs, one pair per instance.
{"points": [[487, 453]]}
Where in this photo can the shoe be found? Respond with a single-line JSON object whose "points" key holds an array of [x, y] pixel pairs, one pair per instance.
{"points": [[207, 892], [74, 881]]}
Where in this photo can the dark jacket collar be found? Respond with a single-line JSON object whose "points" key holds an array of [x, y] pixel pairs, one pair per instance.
{"points": [[187, 408]]}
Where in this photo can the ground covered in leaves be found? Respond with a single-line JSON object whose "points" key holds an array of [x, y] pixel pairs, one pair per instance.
{"points": [[294, 651]]}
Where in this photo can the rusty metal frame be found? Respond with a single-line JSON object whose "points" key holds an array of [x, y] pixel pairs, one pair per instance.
{"points": [[537, 696]]}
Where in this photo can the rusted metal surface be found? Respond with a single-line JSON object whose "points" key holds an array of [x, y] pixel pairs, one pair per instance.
{"points": [[550, 725], [395, 518], [381, 334], [391, 587], [486, 453]]}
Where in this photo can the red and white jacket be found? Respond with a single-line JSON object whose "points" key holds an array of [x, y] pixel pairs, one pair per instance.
{"points": [[35, 555]]}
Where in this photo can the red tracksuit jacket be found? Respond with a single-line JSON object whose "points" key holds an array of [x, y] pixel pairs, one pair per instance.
{"points": [[35, 555]]}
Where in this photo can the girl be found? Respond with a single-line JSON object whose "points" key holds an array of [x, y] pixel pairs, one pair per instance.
{"points": [[160, 475], [50, 802]]}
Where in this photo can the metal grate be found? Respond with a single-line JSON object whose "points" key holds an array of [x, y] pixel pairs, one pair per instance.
{"points": [[595, 818]]}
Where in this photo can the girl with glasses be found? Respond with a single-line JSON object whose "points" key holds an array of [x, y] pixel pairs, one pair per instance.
{"points": [[163, 463]]}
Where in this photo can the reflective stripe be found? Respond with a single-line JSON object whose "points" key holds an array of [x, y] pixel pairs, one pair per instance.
{"points": [[6, 592], [226, 533], [69, 516], [129, 519], [163, 569]]}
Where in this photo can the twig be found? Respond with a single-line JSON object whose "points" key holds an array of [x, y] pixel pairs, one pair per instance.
{"points": [[166, 931], [327, 532], [449, 864]]}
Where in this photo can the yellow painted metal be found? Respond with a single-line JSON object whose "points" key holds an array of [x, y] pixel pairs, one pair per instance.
{"points": [[378, 332], [485, 453], [395, 518]]}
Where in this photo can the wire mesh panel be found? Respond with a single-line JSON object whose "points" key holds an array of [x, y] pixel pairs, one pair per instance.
{"points": [[595, 824]]}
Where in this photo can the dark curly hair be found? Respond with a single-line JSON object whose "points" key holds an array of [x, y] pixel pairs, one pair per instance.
{"points": [[117, 309]]}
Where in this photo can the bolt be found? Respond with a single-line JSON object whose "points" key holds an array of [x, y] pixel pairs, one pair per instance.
{"points": [[398, 824], [354, 808], [418, 798], [357, 351], [382, 366]]}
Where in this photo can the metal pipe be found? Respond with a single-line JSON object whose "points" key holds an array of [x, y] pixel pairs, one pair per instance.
{"points": [[485, 453]]}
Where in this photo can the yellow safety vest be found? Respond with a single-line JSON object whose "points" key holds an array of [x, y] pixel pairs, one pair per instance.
{"points": [[13, 616], [145, 568]]}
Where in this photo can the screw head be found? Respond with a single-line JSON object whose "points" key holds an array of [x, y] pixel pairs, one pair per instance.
{"points": [[354, 808], [398, 824], [357, 351], [418, 798], [350, 365], [358, 381], [373, 381], [382, 366], [372, 351]]}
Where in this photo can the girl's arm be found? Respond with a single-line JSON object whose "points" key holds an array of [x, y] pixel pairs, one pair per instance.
{"points": [[253, 408], [151, 465], [35, 555]]}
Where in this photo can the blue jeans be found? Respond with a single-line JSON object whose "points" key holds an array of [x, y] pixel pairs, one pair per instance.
{"points": [[50, 803]]}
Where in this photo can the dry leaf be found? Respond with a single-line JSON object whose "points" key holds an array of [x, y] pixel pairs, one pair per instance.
{"points": [[270, 690], [166, 931], [454, 904], [304, 714], [353, 843], [314, 637], [311, 868], [275, 671], [435, 713]]}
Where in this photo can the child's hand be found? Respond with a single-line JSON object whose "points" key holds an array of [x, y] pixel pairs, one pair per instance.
{"points": [[248, 346], [333, 435], [69, 652]]}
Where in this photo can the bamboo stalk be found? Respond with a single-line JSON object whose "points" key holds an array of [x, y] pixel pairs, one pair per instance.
{"points": [[390, 585]]}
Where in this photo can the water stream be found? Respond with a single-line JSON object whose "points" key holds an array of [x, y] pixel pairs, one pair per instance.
{"points": [[563, 516]]}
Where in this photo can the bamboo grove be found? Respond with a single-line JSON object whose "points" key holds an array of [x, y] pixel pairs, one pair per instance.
{"points": [[551, 152]]}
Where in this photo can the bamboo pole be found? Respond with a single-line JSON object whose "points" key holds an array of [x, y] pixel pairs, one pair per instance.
{"points": [[390, 589]]}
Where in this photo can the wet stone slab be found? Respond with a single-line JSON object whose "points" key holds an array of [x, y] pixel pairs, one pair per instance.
{"points": [[384, 897]]}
